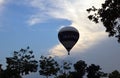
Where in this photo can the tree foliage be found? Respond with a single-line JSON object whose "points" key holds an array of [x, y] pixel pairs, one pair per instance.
{"points": [[114, 74], [22, 62], [64, 70], [80, 67], [48, 66], [109, 15], [94, 71]]}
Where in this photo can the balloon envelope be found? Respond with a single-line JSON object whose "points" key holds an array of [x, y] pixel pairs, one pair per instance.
{"points": [[68, 36]]}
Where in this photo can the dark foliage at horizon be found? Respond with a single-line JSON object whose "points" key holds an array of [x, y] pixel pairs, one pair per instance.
{"points": [[48, 66], [22, 63]]}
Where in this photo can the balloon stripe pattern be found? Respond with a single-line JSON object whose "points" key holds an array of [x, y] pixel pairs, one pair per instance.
{"points": [[68, 36]]}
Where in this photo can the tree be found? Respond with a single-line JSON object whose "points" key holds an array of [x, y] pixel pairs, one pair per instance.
{"points": [[48, 66], [80, 68], [109, 15], [114, 74], [94, 71], [9, 73], [64, 70], [22, 62], [1, 71]]}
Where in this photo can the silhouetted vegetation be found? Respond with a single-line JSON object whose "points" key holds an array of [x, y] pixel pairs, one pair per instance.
{"points": [[80, 69], [23, 62], [48, 66], [93, 71], [109, 15], [114, 74], [64, 70]]}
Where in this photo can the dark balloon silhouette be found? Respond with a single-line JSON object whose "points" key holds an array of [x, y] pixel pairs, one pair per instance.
{"points": [[68, 36]]}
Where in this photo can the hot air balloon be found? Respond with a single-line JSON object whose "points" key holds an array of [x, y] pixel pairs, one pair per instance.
{"points": [[68, 36]]}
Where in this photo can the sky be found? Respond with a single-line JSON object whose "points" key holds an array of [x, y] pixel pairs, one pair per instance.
{"points": [[36, 23]]}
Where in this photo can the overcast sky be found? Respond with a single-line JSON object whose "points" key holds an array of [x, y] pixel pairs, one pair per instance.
{"points": [[36, 23]]}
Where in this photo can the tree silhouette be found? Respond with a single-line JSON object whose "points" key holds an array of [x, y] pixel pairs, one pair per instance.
{"points": [[64, 70], [10, 73], [80, 67], [22, 62], [48, 66], [94, 71], [114, 74], [1, 71], [109, 15]]}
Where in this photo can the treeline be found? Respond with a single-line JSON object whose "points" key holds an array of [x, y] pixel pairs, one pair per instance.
{"points": [[23, 62]]}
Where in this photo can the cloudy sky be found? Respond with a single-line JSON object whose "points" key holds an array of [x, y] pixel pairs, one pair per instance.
{"points": [[36, 23]]}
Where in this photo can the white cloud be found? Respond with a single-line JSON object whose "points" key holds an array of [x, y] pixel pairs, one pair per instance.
{"points": [[67, 9], [35, 19], [75, 11], [2, 4]]}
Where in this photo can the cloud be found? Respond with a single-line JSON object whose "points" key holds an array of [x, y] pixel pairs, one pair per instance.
{"points": [[74, 11], [2, 4], [59, 9]]}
